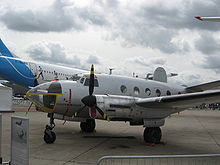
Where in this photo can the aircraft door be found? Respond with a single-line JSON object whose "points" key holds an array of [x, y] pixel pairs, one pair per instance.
{"points": [[33, 68]]}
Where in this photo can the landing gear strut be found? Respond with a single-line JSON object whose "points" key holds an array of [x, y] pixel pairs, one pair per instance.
{"points": [[88, 126], [152, 135], [49, 135]]}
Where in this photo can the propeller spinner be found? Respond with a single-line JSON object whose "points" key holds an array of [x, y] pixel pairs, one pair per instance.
{"points": [[90, 100]]}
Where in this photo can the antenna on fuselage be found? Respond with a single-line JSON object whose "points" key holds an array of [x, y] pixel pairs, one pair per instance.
{"points": [[172, 75], [149, 76]]}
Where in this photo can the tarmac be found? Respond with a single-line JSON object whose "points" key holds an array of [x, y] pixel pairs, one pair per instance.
{"points": [[190, 132]]}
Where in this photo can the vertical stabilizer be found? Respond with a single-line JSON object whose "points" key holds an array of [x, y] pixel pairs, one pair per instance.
{"points": [[160, 75], [4, 50]]}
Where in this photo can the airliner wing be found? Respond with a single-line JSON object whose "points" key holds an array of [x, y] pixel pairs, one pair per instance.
{"points": [[180, 101], [203, 87], [213, 19]]}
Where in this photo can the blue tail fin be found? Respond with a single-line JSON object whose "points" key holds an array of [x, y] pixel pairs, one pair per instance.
{"points": [[4, 50]]}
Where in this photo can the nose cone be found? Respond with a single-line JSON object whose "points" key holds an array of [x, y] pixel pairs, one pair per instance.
{"points": [[45, 95]]}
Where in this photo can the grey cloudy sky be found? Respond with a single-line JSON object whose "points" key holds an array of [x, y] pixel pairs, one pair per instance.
{"points": [[128, 35]]}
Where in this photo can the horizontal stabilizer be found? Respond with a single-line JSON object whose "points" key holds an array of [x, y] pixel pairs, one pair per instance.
{"points": [[205, 86]]}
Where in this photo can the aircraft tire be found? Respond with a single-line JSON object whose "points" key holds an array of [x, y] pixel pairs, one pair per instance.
{"points": [[88, 126], [152, 135], [49, 137]]}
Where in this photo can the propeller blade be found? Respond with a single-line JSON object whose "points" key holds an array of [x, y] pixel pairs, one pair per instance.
{"points": [[79, 110], [91, 81], [29, 108], [101, 112]]}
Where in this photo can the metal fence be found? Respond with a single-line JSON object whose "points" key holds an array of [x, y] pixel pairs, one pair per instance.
{"points": [[21, 102], [204, 159]]}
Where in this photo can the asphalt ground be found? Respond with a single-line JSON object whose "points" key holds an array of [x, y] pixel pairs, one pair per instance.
{"points": [[190, 132]]}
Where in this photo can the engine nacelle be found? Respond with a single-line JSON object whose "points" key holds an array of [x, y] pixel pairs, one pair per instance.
{"points": [[116, 107]]}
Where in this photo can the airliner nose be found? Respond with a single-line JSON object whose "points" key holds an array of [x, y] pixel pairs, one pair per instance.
{"points": [[45, 95]]}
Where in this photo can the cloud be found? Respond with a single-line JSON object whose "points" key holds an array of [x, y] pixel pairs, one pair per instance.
{"points": [[211, 62], [187, 78], [93, 60], [52, 53], [146, 62], [149, 24], [157, 25], [61, 16], [207, 44]]}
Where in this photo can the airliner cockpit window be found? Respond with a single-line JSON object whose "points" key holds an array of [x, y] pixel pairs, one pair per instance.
{"points": [[96, 84], [75, 77]]}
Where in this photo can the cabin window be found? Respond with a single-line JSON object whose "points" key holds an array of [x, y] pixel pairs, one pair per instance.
{"points": [[96, 84], [136, 91], [168, 93], [148, 91], [158, 93], [123, 89]]}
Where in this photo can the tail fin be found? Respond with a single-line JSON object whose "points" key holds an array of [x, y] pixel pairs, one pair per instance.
{"points": [[160, 75], [4, 50]]}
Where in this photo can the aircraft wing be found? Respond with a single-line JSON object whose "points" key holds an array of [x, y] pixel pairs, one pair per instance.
{"points": [[213, 19], [203, 87], [180, 101]]}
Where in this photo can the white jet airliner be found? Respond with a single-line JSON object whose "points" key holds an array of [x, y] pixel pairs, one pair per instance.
{"points": [[212, 19], [29, 74]]}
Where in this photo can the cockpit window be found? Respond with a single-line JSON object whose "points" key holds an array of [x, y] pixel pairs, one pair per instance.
{"points": [[96, 84], [82, 80], [75, 77]]}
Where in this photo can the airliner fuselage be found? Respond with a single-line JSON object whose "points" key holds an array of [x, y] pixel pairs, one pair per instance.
{"points": [[25, 73]]}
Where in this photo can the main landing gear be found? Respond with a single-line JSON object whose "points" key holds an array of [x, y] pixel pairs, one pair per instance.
{"points": [[88, 126], [49, 135], [152, 135]]}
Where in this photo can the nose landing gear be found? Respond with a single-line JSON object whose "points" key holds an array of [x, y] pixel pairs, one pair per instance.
{"points": [[49, 135]]}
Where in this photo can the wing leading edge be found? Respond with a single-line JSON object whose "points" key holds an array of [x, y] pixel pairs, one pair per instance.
{"points": [[180, 101]]}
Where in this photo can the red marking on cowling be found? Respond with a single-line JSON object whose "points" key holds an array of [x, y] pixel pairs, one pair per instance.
{"points": [[93, 112]]}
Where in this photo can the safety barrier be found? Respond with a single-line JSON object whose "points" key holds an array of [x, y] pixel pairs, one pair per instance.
{"points": [[203, 159], [21, 102]]}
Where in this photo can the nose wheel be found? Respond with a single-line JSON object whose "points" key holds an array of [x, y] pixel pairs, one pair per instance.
{"points": [[49, 135]]}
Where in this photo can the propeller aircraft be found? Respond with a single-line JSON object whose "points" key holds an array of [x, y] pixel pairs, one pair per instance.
{"points": [[118, 98]]}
